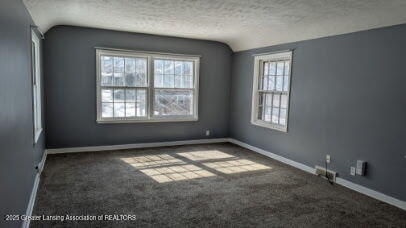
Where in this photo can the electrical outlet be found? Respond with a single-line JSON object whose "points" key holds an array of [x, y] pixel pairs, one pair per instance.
{"points": [[328, 158], [323, 172], [352, 171], [207, 132]]}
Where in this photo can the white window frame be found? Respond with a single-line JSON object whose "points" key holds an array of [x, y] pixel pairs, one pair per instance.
{"points": [[258, 71], [151, 56], [36, 85]]}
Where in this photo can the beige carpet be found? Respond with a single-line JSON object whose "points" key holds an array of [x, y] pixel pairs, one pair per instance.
{"points": [[198, 186]]}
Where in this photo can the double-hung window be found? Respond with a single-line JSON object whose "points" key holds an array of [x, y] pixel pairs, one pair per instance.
{"points": [[146, 87], [270, 99], [36, 85]]}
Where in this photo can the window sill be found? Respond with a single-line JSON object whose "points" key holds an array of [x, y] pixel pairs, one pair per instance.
{"points": [[270, 126], [158, 120]]}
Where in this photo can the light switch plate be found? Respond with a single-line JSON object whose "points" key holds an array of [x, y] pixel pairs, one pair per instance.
{"points": [[360, 167], [328, 158]]}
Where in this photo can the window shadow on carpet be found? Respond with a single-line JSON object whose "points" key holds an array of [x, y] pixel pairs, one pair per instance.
{"points": [[169, 167]]}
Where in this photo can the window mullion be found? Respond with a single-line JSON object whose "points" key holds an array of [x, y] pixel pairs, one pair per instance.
{"points": [[151, 93], [123, 87], [113, 97], [182, 89], [136, 102], [125, 90]]}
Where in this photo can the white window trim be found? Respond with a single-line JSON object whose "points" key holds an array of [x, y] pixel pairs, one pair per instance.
{"points": [[258, 60], [150, 89], [36, 88]]}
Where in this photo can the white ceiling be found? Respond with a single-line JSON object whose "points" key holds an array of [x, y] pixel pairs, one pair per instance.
{"points": [[242, 24]]}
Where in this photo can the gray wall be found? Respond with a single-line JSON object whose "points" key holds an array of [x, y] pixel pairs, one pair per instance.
{"points": [[70, 83], [347, 100], [18, 154]]}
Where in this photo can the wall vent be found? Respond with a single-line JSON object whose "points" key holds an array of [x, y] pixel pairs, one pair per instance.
{"points": [[321, 171]]}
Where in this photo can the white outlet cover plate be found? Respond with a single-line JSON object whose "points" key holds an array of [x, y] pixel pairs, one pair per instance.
{"points": [[352, 171]]}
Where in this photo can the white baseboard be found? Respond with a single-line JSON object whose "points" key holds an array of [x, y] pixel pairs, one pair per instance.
{"points": [[372, 193], [274, 156], [356, 187], [33, 196], [134, 146]]}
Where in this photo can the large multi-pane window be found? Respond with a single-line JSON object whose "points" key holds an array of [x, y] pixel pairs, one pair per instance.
{"points": [[271, 90], [138, 86]]}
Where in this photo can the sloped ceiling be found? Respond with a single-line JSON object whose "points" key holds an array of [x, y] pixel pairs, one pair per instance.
{"points": [[242, 24]]}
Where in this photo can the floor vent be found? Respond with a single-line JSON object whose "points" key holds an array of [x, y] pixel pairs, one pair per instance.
{"points": [[321, 171]]}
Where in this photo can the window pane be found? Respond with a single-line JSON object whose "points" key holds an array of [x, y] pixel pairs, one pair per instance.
{"points": [[279, 83], [267, 114], [118, 71], [141, 102], [158, 80], [284, 101], [287, 65], [265, 82], [130, 109], [141, 95], [266, 68], [141, 109], [130, 71], [141, 72], [107, 109], [275, 115], [119, 109], [265, 106], [187, 81], [268, 99], [178, 67], [282, 118], [276, 100], [187, 68], [170, 102], [168, 67], [130, 95], [168, 81], [178, 81], [272, 68], [107, 95], [271, 83], [106, 70], [280, 67], [158, 66], [260, 110], [285, 83], [119, 95]]}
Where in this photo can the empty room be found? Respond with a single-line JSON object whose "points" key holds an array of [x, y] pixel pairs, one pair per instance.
{"points": [[202, 113]]}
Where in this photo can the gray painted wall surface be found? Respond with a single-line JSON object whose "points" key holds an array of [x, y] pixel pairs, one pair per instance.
{"points": [[18, 155], [347, 100], [70, 84]]}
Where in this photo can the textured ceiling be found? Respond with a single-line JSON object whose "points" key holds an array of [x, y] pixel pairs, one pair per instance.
{"points": [[242, 24]]}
